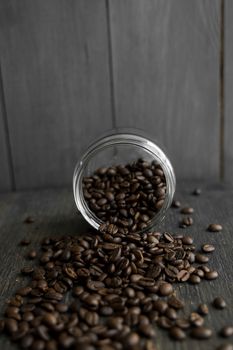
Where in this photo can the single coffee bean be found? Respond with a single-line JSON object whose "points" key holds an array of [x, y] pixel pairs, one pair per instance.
{"points": [[177, 333], [214, 228], [27, 270], [165, 289], [176, 204], [32, 254], [194, 279], [201, 258], [176, 303], [187, 221], [25, 242], [201, 333], [225, 347], [203, 309], [29, 220], [211, 275], [219, 303], [183, 323], [132, 340], [226, 331], [187, 240], [208, 248], [196, 192], [187, 210], [196, 319]]}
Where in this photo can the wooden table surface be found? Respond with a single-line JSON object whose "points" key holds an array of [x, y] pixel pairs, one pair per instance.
{"points": [[55, 214]]}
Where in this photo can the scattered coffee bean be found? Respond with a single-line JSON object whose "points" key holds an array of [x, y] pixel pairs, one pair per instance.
{"points": [[177, 333], [201, 333], [194, 279], [25, 242], [211, 275], [226, 331], [214, 228], [208, 248], [225, 347], [28, 220], [176, 204], [185, 222], [32, 254], [219, 303], [196, 192], [203, 309], [187, 210]]}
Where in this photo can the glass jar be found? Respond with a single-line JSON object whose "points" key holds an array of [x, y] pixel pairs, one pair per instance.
{"points": [[121, 147]]}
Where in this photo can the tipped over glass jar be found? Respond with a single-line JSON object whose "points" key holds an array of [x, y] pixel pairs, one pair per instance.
{"points": [[125, 179]]}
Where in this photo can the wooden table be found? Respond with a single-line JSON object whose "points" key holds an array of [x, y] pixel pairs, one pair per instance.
{"points": [[55, 214]]}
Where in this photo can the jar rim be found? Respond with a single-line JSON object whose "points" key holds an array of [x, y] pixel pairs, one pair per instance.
{"points": [[123, 138]]}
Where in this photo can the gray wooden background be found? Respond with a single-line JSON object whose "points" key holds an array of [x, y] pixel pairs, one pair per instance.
{"points": [[71, 69]]}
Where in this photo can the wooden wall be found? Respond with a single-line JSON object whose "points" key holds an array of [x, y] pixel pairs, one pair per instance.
{"points": [[71, 69]]}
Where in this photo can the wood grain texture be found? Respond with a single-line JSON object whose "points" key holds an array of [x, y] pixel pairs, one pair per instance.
{"points": [[228, 88], [56, 80], [55, 215], [5, 175], [166, 77]]}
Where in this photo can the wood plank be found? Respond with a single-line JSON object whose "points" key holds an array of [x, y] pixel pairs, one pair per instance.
{"points": [[55, 215], [5, 175], [56, 80], [228, 85], [166, 77]]}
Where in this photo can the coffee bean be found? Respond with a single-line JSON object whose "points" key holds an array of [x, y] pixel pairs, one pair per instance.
{"points": [[196, 319], [203, 309], [183, 323], [187, 210], [211, 275], [32, 254], [201, 258], [11, 325], [131, 340], [27, 270], [25, 242], [187, 240], [201, 333], [194, 279], [187, 221], [226, 331], [177, 333], [171, 313], [24, 291], [2, 325], [225, 347], [176, 303], [208, 248], [219, 303], [196, 192], [176, 204], [165, 289], [160, 306], [164, 322], [214, 228]]}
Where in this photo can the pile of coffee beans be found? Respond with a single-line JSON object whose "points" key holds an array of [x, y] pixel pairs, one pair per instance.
{"points": [[108, 291], [126, 195]]}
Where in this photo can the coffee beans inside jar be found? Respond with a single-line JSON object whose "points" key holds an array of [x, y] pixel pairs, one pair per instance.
{"points": [[127, 195]]}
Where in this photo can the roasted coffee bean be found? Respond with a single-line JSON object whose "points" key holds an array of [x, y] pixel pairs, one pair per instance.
{"points": [[187, 240], [165, 289], [219, 303], [225, 347], [171, 313], [131, 340], [211, 275], [176, 303], [187, 221], [25, 242], [183, 323], [201, 333], [32, 254], [176, 204], [214, 228], [203, 309], [208, 248], [164, 322], [201, 258], [160, 306], [177, 333], [187, 210], [226, 331], [196, 319], [196, 192], [194, 279], [27, 270], [11, 325]]}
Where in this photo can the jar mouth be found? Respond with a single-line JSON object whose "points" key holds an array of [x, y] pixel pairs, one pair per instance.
{"points": [[109, 141]]}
